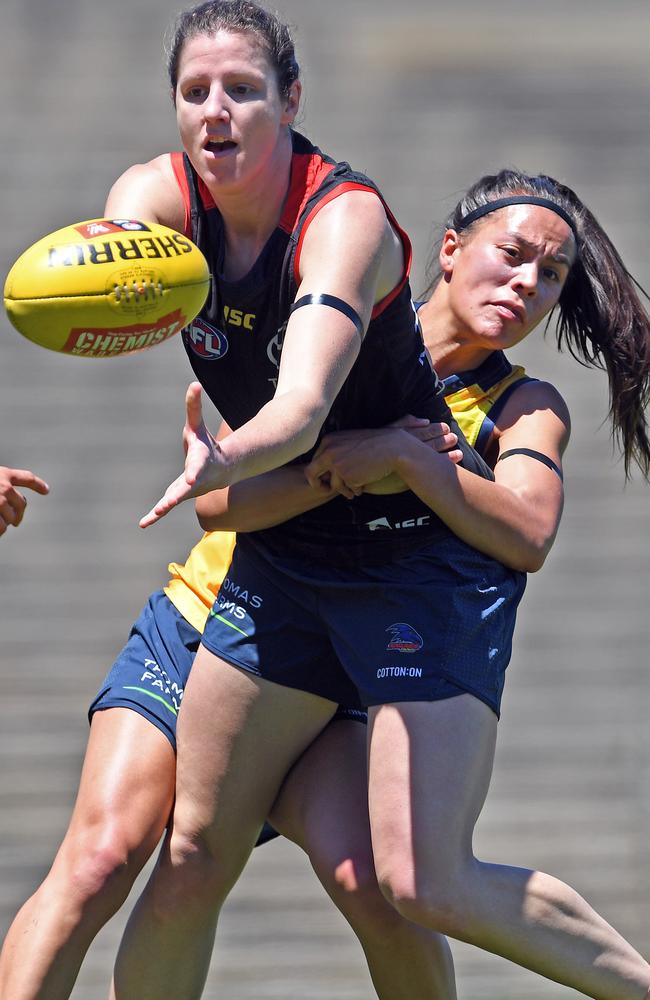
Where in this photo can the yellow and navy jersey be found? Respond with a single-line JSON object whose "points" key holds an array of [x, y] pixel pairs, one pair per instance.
{"points": [[475, 398], [193, 586]]}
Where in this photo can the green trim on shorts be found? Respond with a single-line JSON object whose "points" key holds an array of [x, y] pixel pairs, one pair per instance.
{"points": [[225, 621], [132, 687]]}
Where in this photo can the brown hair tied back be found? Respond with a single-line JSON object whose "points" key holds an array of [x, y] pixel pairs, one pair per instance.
{"points": [[601, 318]]}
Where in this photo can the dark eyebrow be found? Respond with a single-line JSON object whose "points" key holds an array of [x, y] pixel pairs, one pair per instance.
{"points": [[559, 258]]}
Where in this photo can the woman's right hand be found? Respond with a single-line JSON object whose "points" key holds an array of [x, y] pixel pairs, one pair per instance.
{"points": [[352, 461], [205, 465]]}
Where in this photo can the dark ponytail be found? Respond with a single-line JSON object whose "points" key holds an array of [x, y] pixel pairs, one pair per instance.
{"points": [[602, 320]]}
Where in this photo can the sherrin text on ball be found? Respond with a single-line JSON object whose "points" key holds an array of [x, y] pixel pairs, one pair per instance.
{"points": [[106, 287]]}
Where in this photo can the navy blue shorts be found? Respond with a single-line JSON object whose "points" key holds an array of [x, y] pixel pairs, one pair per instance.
{"points": [[433, 624], [150, 673]]}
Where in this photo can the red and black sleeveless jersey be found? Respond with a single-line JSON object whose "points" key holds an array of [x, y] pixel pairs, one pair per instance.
{"points": [[234, 347]]}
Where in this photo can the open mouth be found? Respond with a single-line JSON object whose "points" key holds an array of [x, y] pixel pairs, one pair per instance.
{"points": [[220, 145]]}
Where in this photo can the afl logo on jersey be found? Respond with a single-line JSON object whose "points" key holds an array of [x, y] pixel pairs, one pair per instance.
{"points": [[205, 340]]}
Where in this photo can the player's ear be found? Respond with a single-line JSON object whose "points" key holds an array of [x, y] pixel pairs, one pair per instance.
{"points": [[448, 250], [292, 103]]}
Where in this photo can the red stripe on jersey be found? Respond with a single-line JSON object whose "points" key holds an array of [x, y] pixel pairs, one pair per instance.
{"points": [[207, 200], [308, 171], [408, 261], [406, 243], [179, 172]]}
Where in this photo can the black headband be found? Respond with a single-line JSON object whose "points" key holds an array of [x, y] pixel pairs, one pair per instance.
{"points": [[517, 199]]}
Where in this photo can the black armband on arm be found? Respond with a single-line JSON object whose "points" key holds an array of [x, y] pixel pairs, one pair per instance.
{"points": [[334, 303], [537, 455]]}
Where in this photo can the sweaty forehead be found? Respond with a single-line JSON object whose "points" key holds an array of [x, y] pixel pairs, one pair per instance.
{"points": [[541, 228], [225, 48]]}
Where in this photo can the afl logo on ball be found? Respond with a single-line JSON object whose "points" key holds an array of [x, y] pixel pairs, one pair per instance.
{"points": [[101, 227], [205, 340]]}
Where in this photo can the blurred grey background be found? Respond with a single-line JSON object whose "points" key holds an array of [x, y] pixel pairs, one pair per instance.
{"points": [[425, 97]]}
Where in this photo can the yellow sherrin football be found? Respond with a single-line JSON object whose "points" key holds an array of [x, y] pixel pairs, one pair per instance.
{"points": [[106, 287]]}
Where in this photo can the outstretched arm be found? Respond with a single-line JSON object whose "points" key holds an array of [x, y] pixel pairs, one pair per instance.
{"points": [[515, 518], [12, 501], [345, 255], [277, 496]]}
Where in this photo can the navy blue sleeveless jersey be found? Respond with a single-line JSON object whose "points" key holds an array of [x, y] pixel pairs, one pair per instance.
{"points": [[234, 347]]}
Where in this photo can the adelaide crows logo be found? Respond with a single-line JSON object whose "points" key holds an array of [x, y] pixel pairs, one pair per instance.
{"points": [[404, 638]]}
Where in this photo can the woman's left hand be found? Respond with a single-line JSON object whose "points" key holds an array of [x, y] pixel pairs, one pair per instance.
{"points": [[205, 465]]}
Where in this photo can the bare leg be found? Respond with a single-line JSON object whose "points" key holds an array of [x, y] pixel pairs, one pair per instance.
{"points": [[124, 800], [430, 767], [322, 807], [237, 738]]}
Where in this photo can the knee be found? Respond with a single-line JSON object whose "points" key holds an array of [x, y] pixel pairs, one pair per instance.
{"points": [[103, 866], [354, 879], [190, 875], [438, 901], [351, 882]]}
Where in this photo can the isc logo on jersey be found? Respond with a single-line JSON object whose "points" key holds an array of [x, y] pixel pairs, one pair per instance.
{"points": [[205, 340]]}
